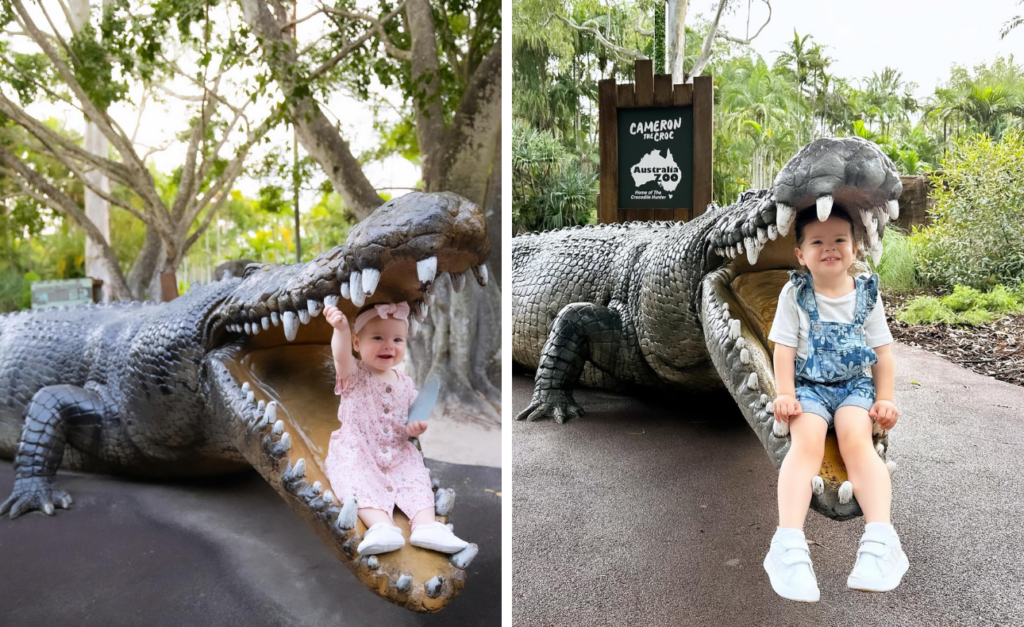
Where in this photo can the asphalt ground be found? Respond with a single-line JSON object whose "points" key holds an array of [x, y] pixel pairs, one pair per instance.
{"points": [[221, 551], [659, 512]]}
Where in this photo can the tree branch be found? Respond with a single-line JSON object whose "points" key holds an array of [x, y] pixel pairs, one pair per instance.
{"points": [[705, 53], [747, 41], [378, 27], [596, 32]]}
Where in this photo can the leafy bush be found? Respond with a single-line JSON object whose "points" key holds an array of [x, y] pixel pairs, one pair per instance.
{"points": [[551, 188], [977, 233], [965, 305]]}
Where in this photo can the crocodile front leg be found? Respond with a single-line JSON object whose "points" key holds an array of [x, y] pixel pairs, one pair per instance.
{"points": [[56, 414], [580, 333]]}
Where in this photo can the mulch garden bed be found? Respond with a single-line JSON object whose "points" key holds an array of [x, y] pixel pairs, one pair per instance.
{"points": [[995, 350]]}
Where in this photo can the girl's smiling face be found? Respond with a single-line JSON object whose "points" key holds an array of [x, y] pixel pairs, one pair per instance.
{"points": [[381, 343], [827, 248]]}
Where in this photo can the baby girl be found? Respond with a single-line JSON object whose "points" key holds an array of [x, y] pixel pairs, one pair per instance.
{"points": [[371, 455]]}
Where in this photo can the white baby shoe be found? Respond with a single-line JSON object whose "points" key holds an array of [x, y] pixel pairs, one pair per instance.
{"points": [[881, 562], [436, 537], [789, 568], [381, 538]]}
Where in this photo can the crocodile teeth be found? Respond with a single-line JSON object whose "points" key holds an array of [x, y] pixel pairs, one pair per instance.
{"points": [[871, 225], [430, 299], [265, 323], [818, 486], [753, 250], [291, 325], [773, 232], [358, 295], [876, 253], [780, 429], [464, 557], [260, 406], [784, 216], [372, 562], [752, 381], [303, 316], [426, 269], [845, 492], [255, 328], [433, 587], [880, 448], [444, 500], [824, 207], [404, 583], [328, 497], [275, 318], [331, 300], [278, 428], [734, 328], [893, 206], [317, 488], [286, 442], [345, 292], [298, 471], [725, 315], [250, 398], [739, 248], [891, 467], [270, 416], [421, 311], [313, 308], [414, 326], [248, 328], [480, 272], [246, 387], [349, 514], [762, 236], [770, 407], [744, 356], [371, 276], [458, 281]]}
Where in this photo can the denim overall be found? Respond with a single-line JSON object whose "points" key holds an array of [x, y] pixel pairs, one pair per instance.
{"points": [[833, 373]]}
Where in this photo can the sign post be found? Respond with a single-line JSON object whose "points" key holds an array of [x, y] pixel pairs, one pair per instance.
{"points": [[655, 147]]}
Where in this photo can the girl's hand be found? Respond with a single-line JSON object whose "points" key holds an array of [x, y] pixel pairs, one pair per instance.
{"points": [[884, 413], [335, 318], [415, 429], [786, 406]]}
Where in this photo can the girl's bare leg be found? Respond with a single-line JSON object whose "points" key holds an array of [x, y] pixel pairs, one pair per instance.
{"points": [[868, 474], [802, 463], [371, 516], [424, 517]]}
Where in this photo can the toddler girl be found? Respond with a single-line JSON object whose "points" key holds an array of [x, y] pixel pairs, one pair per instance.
{"points": [[371, 456], [833, 327]]}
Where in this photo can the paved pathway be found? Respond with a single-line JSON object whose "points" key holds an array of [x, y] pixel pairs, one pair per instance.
{"points": [[651, 512]]}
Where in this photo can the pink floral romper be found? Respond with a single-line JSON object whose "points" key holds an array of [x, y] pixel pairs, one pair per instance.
{"points": [[370, 455]]}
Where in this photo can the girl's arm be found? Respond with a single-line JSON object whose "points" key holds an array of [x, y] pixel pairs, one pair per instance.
{"points": [[884, 374], [341, 342], [786, 406]]}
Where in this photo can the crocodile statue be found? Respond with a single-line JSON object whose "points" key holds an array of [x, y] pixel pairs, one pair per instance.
{"points": [[690, 304], [235, 375]]}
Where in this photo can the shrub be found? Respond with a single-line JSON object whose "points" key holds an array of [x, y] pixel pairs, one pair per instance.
{"points": [[897, 268], [551, 188], [965, 305], [977, 233]]}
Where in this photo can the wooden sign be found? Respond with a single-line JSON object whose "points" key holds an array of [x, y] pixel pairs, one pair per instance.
{"points": [[655, 147]]}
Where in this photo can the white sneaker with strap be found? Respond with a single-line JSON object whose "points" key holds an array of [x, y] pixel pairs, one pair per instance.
{"points": [[381, 538], [881, 562], [436, 537], [789, 568]]}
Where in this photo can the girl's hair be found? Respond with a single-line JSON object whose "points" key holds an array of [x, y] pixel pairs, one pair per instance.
{"points": [[806, 216], [810, 214]]}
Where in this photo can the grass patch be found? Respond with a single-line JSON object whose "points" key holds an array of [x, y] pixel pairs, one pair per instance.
{"points": [[897, 268], [965, 306]]}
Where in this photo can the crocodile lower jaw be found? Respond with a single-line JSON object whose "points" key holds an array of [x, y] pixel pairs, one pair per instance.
{"points": [[278, 399], [737, 309]]}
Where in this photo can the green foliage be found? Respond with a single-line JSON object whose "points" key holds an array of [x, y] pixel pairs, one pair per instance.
{"points": [[896, 269], [977, 233], [551, 188], [965, 306]]}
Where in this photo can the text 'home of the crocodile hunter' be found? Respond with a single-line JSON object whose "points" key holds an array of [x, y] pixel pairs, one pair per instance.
{"points": [[655, 146]]}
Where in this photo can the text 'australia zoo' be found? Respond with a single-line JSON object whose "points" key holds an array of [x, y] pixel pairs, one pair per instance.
{"points": [[656, 130]]}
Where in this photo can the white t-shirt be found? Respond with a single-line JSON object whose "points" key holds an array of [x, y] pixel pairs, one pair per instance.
{"points": [[792, 325]]}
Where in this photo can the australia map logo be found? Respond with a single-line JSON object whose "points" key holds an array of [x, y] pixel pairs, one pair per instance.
{"points": [[658, 169]]}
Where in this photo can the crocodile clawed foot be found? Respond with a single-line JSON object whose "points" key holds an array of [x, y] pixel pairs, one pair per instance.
{"points": [[35, 493], [556, 404]]}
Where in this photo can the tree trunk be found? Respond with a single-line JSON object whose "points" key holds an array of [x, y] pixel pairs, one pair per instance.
{"points": [[675, 38], [144, 268]]}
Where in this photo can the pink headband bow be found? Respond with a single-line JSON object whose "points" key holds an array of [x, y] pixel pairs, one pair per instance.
{"points": [[399, 311]]}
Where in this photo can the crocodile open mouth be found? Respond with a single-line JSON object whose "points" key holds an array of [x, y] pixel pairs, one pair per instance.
{"points": [[272, 368], [752, 248]]}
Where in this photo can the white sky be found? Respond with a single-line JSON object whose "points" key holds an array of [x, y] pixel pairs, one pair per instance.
{"points": [[921, 38]]}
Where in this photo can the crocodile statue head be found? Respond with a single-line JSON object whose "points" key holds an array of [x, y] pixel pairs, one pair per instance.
{"points": [[234, 375], [690, 304]]}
